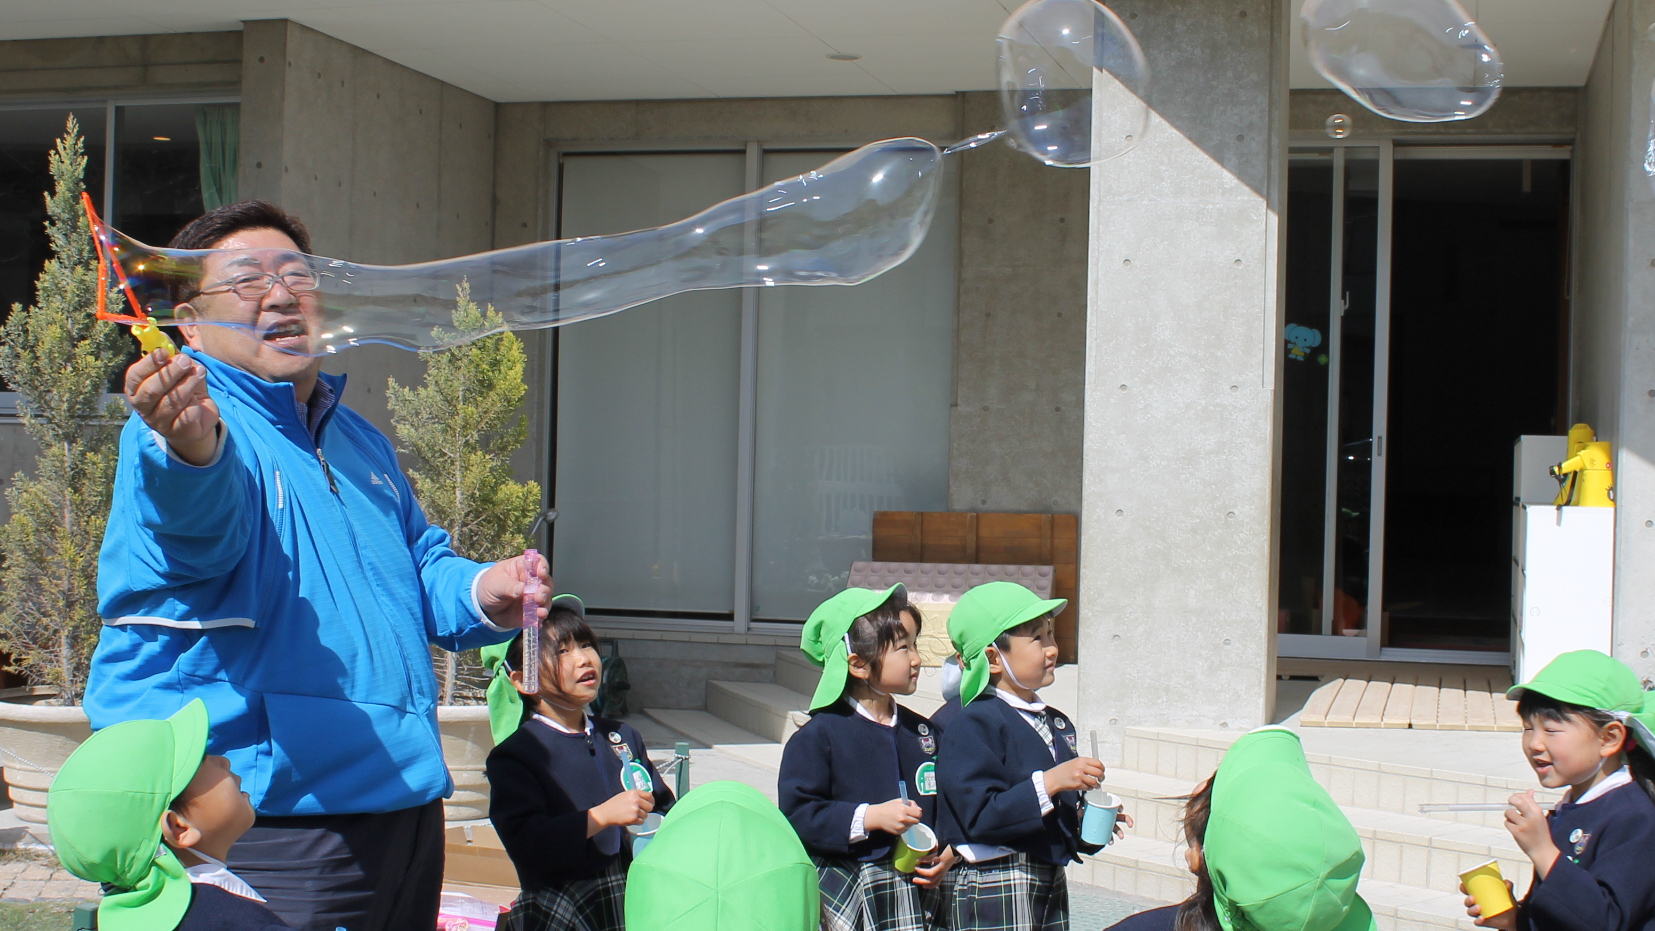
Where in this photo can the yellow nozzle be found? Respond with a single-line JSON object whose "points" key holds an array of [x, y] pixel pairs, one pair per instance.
{"points": [[150, 338]]}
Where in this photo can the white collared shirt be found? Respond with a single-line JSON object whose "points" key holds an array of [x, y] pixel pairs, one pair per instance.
{"points": [[560, 728], [1610, 783], [212, 872]]}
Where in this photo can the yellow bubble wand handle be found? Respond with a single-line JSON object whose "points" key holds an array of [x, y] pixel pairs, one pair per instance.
{"points": [[150, 338]]}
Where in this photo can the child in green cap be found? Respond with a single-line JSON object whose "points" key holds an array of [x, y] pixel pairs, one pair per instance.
{"points": [[862, 771], [1010, 774], [142, 808], [1588, 727], [565, 786], [724, 860]]}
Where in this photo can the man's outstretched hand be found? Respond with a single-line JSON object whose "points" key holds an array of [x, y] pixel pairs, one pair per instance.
{"points": [[500, 591], [170, 394]]}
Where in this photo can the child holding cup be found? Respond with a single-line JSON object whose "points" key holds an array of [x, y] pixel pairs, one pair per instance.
{"points": [[566, 789], [858, 781], [1010, 774], [1588, 726]]}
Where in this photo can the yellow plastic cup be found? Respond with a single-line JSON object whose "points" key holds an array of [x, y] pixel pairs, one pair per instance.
{"points": [[912, 846], [1488, 888]]}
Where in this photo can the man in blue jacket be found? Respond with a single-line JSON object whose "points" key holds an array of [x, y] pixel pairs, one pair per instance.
{"points": [[265, 554]]}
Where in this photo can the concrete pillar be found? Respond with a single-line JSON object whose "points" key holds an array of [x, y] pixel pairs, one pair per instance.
{"points": [[1177, 573], [1613, 345]]}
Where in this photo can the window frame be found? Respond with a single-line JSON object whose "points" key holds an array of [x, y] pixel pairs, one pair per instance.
{"points": [[550, 205], [111, 106]]}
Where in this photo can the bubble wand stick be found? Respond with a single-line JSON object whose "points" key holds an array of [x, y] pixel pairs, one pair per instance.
{"points": [[531, 623]]}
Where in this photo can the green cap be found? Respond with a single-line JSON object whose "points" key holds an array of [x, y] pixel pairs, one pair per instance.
{"points": [[1281, 854], [823, 638], [725, 859], [983, 614], [505, 703], [104, 811], [1597, 680]]}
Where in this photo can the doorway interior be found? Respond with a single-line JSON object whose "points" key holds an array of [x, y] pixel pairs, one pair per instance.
{"points": [[1427, 328]]}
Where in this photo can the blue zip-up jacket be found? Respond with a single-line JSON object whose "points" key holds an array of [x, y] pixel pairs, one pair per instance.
{"points": [[293, 584]]}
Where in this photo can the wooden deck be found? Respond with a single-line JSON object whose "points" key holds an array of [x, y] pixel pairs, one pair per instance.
{"points": [[1427, 697]]}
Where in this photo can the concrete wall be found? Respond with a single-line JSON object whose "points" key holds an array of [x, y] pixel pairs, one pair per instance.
{"points": [[1182, 361], [1020, 332], [1614, 309], [384, 164], [127, 66], [1521, 113]]}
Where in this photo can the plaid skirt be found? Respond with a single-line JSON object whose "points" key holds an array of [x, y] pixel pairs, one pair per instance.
{"points": [[859, 896], [1015, 893], [596, 904]]}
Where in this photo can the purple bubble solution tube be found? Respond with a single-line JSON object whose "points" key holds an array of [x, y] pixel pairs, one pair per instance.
{"points": [[531, 622]]}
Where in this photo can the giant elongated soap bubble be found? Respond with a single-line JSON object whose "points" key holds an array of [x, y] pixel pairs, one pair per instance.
{"points": [[1419, 61], [1074, 84], [851, 220]]}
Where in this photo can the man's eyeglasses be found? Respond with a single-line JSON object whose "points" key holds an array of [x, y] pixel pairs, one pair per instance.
{"points": [[254, 286]]}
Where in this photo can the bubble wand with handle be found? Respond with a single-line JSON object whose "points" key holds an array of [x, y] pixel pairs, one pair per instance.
{"points": [[531, 623]]}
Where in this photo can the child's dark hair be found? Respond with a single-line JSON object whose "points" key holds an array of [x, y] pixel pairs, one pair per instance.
{"points": [[561, 627], [1029, 628], [1197, 912], [1546, 708], [880, 629]]}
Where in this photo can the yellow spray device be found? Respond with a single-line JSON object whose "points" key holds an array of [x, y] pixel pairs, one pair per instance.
{"points": [[1593, 479], [1579, 435]]}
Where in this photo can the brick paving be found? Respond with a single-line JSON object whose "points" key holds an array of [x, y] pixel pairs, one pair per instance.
{"points": [[32, 877]]}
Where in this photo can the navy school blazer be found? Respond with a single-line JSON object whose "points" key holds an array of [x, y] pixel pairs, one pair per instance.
{"points": [[988, 758]]}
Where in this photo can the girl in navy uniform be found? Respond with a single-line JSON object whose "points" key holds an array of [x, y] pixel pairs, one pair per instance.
{"points": [[863, 769], [1586, 727], [564, 785], [1010, 776]]}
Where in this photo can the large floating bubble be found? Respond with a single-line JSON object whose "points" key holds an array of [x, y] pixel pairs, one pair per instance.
{"points": [[1073, 83], [1649, 149], [1420, 61], [854, 218]]}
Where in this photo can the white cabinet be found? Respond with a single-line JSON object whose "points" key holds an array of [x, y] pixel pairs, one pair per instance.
{"points": [[1563, 566]]}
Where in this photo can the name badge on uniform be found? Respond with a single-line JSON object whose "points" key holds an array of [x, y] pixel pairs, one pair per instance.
{"points": [[635, 776], [925, 778]]}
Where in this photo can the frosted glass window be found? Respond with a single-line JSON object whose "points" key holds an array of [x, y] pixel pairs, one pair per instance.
{"points": [[853, 398], [646, 407]]}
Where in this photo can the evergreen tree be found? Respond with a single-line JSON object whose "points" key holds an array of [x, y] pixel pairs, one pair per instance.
{"points": [[59, 358], [461, 427]]}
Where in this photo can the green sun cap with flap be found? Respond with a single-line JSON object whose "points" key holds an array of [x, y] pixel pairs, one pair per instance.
{"points": [[724, 859], [1596, 680], [1281, 854], [104, 811], [980, 617], [823, 637]]}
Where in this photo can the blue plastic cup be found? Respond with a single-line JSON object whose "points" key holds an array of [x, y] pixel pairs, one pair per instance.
{"points": [[643, 833], [1097, 825]]}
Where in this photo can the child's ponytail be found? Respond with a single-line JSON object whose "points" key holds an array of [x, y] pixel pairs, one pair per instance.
{"points": [[1197, 912]]}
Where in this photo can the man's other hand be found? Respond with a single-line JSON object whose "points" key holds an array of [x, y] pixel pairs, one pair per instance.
{"points": [[500, 591]]}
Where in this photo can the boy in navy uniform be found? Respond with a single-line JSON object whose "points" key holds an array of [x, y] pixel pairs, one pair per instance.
{"points": [[1010, 775]]}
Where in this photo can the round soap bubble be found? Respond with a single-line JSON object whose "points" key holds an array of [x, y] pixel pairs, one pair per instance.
{"points": [[1073, 83], [1339, 125], [1419, 61], [854, 218], [1649, 148]]}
